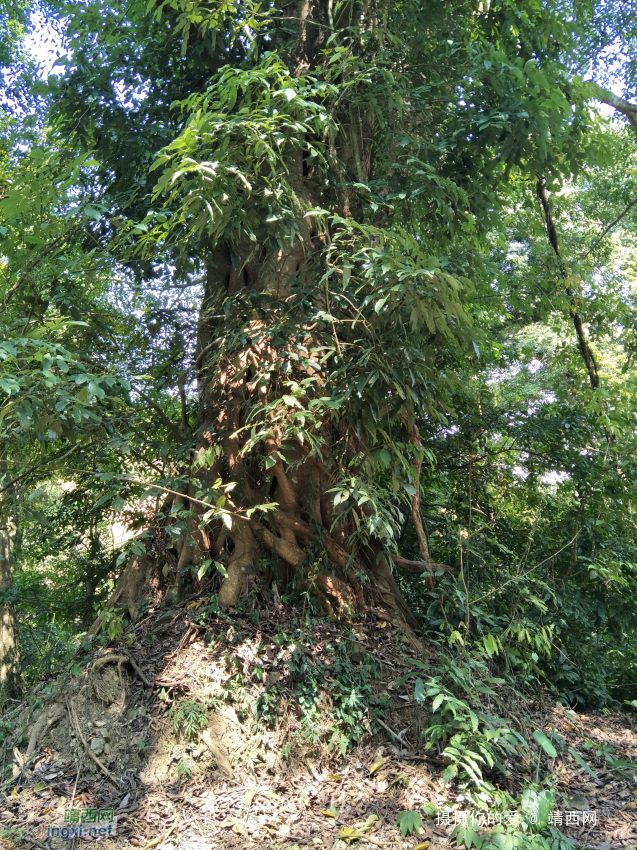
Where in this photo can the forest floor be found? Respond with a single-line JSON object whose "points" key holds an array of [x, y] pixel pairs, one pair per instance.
{"points": [[103, 738]]}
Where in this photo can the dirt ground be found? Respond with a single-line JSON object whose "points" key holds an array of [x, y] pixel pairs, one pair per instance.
{"points": [[104, 738]]}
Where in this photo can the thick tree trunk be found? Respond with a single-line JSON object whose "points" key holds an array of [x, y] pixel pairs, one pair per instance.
{"points": [[9, 661], [300, 531], [271, 478], [254, 288]]}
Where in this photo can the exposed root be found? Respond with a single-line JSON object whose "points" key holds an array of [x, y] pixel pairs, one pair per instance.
{"points": [[218, 754], [335, 594], [119, 660], [115, 659], [47, 718]]}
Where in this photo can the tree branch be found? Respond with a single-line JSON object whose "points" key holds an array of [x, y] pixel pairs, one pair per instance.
{"points": [[629, 110], [610, 227], [56, 243], [551, 232], [174, 430], [421, 566]]}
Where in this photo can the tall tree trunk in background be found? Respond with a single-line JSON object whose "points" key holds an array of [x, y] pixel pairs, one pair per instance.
{"points": [[586, 351], [9, 660]]}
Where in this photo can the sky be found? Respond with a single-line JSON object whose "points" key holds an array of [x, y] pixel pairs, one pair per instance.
{"points": [[44, 43]]}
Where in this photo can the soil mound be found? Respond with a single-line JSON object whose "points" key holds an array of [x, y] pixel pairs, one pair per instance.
{"points": [[264, 730]]}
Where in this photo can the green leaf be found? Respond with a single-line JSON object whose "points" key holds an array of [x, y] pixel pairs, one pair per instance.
{"points": [[581, 762], [536, 807], [438, 702], [419, 691], [9, 385], [291, 401], [384, 457], [203, 569], [409, 822], [546, 745], [449, 774]]}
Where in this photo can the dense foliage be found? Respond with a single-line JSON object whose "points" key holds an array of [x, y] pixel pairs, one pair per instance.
{"points": [[238, 238]]}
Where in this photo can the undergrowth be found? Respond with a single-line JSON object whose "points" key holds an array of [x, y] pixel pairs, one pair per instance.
{"points": [[326, 690], [504, 774], [467, 723], [188, 719]]}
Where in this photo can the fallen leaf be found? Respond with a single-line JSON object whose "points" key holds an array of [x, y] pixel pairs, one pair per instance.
{"points": [[330, 813], [376, 766], [424, 845], [348, 833]]}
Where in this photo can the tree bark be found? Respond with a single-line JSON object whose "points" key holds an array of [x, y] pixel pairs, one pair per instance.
{"points": [[10, 685]]}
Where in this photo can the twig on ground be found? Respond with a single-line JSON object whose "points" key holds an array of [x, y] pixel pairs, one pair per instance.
{"points": [[78, 765], [391, 731], [101, 766], [139, 673], [161, 838]]}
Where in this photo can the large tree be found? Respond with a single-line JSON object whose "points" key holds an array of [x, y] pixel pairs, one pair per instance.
{"points": [[322, 176]]}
